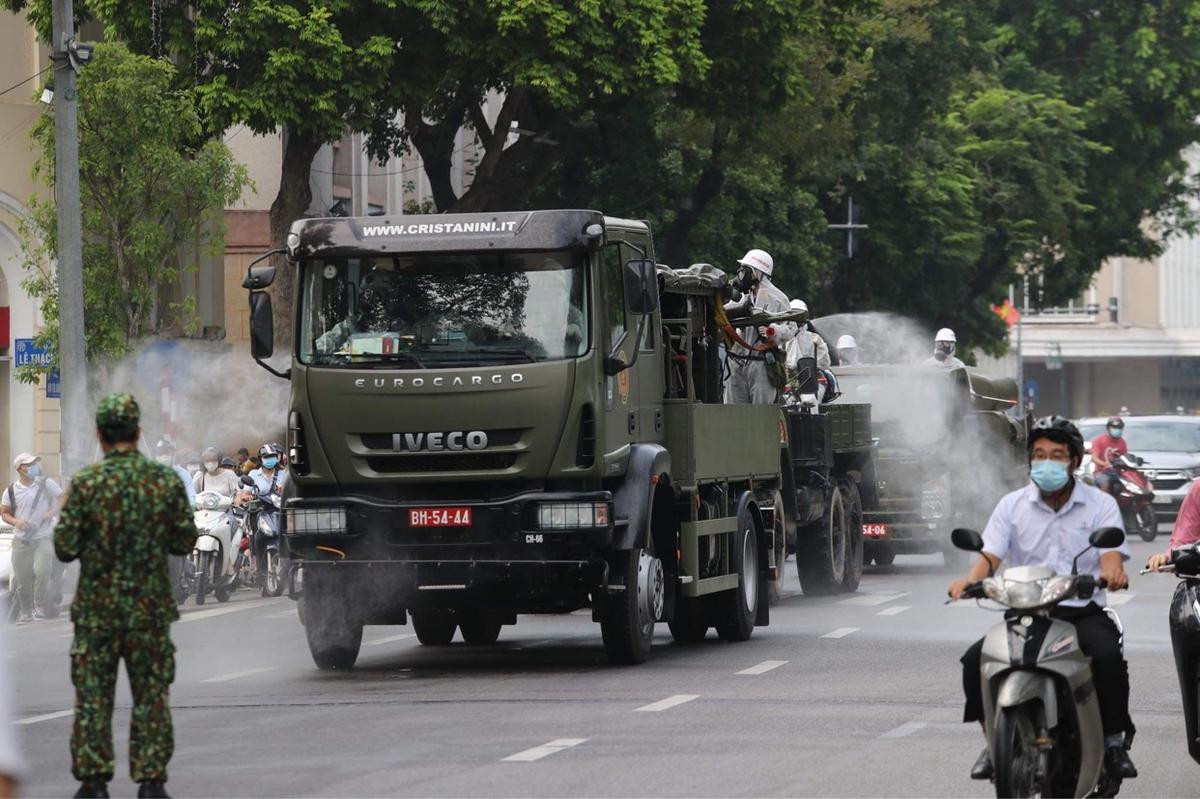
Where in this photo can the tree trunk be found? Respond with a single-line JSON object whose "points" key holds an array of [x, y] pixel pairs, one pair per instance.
{"points": [[674, 249], [291, 203]]}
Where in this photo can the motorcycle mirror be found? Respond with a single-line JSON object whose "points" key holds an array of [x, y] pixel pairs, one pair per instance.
{"points": [[247, 480], [1107, 538], [966, 539]]}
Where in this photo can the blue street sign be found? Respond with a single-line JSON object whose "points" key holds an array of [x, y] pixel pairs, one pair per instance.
{"points": [[27, 354], [1033, 392], [53, 385]]}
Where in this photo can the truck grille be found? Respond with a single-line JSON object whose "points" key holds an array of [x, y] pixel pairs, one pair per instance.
{"points": [[386, 441], [443, 462]]}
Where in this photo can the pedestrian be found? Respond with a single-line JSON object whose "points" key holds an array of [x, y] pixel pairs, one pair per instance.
{"points": [[121, 518], [11, 764], [29, 505], [243, 455]]}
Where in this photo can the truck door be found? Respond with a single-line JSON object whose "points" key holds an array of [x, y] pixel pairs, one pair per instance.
{"points": [[620, 395], [651, 371]]}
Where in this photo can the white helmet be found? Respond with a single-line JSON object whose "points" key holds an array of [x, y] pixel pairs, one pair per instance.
{"points": [[946, 334], [847, 342], [799, 305], [760, 260]]}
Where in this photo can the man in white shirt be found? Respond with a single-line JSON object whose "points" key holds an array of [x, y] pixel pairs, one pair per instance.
{"points": [[1047, 523], [29, 505]]}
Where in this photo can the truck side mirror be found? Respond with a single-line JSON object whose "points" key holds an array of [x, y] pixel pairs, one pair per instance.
{"points": [[258, 277], [641, 286], [262, 326]]}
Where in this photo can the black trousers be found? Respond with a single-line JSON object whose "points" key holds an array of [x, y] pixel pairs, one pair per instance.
{"points": [[1099, 640]]}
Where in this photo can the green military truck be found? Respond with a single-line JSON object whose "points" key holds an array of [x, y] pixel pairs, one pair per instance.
{"points": [[948, 449], [497, 414]]}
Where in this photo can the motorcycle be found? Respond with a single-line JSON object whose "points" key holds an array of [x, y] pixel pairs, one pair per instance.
{"points": [[1135, 496], [1041, 713], [1185, 636], [244, 566], [264, 509], [213, 557]]}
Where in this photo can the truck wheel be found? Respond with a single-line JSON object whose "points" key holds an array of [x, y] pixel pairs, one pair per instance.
{"points": [[480, 630], [885, 554], [629, 616], [821, 550], [434, 627], [737, 609], [854, 537], [333, 639], [690, 624]]}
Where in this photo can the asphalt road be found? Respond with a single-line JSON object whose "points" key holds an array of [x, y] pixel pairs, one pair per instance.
{"points": [[855, 695]]}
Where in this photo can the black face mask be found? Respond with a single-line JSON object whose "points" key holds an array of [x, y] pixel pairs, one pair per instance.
{"points": [[746, 280]]}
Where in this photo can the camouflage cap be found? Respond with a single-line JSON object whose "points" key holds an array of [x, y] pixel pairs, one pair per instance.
{"points": [[118, 414]]}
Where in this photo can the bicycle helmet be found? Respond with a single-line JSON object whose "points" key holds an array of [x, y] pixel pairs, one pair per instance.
{"points": [[1117, 422], [1057, 428], [270, 449]]}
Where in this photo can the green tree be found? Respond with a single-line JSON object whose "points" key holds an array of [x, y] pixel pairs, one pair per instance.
{"points": [[152, 189]]}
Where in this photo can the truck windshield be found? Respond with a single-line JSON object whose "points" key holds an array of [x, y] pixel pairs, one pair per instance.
{"points": [[436, 310]]}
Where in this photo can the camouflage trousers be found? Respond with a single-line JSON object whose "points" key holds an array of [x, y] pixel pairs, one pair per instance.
{"points": [[149, 659]]}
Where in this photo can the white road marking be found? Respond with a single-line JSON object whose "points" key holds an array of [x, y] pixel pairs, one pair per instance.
{"points": [[871, 600], [545, 750], [60, 714], [1120, 598], [390, 639], [667, 704], [904, 730], [841, 632], [894, 610], [763, 668], [197, 615], [290, 613], [237, 675]]}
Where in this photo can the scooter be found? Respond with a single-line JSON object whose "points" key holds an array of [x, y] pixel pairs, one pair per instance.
{"points": [[244, 566], [1136, 497], [213, 556], [1041, 713], [1185, 636], [264, 509]]}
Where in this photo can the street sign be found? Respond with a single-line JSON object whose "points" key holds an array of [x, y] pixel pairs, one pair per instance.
{"points": [[53, 385], [26, 354], [1033, 392]]}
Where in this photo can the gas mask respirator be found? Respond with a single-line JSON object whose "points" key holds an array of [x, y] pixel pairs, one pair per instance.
{"points": [[746, 280]]}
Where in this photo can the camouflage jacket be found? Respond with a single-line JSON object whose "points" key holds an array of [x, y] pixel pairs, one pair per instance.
{"points": [[121, 517]]}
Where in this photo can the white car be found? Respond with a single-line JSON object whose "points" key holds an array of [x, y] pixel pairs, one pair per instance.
{"points": [[1170, 445]]}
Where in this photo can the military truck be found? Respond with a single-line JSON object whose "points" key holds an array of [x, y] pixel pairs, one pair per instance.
{"points": [[498, 414], [948, 449]]}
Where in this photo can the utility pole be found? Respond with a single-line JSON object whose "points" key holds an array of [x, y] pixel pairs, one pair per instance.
{"points": [[71, 363]]}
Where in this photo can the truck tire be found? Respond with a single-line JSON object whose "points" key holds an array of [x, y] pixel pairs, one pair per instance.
{"points": [[885, 554], [333, 639], [736, 609], [628, 625], [854, 537], [691, 621], [821, 550], [434, 627], [482, 629]]}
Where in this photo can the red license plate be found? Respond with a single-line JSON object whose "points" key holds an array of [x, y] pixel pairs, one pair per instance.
{"points": [[439, 517], [875, 531]]}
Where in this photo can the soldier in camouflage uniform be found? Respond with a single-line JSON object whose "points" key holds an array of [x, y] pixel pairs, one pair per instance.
{"points": [[121, 518]]}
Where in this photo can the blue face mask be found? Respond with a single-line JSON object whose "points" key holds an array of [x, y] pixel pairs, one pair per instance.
{"points": [[1049, 475], [270, 463], [1115, 432], [34, 471]]}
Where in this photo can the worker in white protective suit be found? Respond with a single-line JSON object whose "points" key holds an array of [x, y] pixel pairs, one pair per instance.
{"points": [[944, 344], [847, 351], [749, 373], [806, 343]]}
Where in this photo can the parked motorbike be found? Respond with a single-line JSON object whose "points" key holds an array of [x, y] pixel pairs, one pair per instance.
{"points": [[1185, 637], [264, 509], [213, 556], [1041, 713], [244, 566], [1135, 496]]}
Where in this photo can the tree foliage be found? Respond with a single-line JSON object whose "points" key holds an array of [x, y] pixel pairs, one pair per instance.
{"points": [[152, 189]]}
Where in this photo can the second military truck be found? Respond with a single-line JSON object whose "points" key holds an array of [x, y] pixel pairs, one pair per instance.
{"points": [[496, 414]]}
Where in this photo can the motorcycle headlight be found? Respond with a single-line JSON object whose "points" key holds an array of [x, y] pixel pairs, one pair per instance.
{"points": [[994, 588], [1022, 596], [263, 527], [1055, 589]]}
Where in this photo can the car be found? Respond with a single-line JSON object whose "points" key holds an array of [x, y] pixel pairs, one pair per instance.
{"points": [[1170, 446]]}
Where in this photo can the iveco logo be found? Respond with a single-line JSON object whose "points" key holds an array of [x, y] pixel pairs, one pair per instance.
{"points": [[441, 381], [454, 441]]}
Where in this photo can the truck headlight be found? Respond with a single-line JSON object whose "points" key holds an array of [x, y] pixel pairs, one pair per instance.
{"points": [[312, 521], [572, 515]]}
